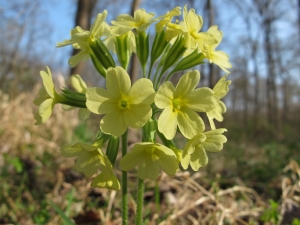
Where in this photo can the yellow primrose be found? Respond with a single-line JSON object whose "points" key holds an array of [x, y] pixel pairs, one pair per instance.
{"points": [[149, 157], [190, 27], [90, 159], [80, 38], [48, 97], [220, 90], [217, 57], [123, 104], [79, 85], [194, 153], [140, 21], [180, 104], [167, 18]]}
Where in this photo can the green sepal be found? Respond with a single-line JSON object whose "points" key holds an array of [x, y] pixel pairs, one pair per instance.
{"points": [[142, 47], [165, 141], [159, 45], [175, 53], [171, 145], [102, 54], [193, 59], [122, 49], [112, 149], [149, 131], [72, 98], [101, 137], [99, 67]]}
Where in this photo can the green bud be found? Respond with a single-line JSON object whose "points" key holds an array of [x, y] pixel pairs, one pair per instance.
{"points": [[193, 59], [159, 45], [72, 98], [112, 149], [122, 49], [149, 131], [175, 53], [101, 137], [142, 47], [98, 65], [102, 54]]}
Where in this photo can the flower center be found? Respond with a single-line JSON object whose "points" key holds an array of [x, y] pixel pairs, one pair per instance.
{"points": [[176, 104], [151, 151], [123, 104]]}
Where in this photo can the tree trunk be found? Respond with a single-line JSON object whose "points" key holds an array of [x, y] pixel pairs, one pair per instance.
{"points": [[134, 70], [210, 11], [82, 19]]}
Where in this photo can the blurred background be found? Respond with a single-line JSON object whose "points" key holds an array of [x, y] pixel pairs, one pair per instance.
{"points": [[254, 180]]}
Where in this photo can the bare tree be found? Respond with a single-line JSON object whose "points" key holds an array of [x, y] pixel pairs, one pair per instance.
{"points": [[133, 71]]}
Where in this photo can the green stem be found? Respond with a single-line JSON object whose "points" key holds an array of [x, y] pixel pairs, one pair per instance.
{"points": [[159, 78], [124, 183], [140, 202]]}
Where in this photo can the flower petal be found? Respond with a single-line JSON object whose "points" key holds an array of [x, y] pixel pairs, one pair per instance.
{"points": [[48, 82], [141, 92], [138, 115], [117, 82], [134, 157], [166, 159], [214, 140], [105, 180], [71, 150], [88, 163], [201, 100], [80, 56], [185, 160], [167, 122], [96, 26], [187, 83], [148, 169], [113, 123], [78, 84], [189, 123], [165, 95], [45, 109], [198, 159], [100, 101]]}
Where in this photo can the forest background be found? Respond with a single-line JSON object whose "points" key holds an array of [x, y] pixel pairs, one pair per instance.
{"points": [[254, 180]]}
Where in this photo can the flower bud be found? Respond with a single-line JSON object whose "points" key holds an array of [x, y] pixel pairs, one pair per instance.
{"points": [[159, 45], [102, 54], [142, 47], [149, 131], [175, 53], [112, 149], [122, 49], [193, 59]]}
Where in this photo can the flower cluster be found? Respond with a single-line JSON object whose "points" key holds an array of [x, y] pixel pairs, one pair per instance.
{"points": [[153, 102]]}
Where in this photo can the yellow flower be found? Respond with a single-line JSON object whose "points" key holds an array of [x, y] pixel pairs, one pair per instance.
{"points": [[217, 57], [90, 159], [180, 104], [123, 104], [167, 18], [79, 85], [149, 157], [141, 21], [190, 27], [48, 97], [194, 153], [220, 90], [80, 38]]}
